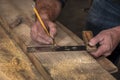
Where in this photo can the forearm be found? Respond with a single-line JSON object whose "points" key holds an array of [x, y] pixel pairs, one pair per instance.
{"points": [[51, 8]]}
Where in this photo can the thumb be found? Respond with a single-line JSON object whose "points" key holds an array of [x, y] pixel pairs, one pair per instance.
{"points": [[95, 40]]}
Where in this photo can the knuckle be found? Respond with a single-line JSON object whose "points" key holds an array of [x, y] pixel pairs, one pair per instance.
{"points": [[53, 29], [107, 54], [52, 25], [95, 54], [106, 48]]}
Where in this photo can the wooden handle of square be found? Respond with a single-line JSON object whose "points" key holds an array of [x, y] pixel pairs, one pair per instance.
{"points": [[87, 36]]}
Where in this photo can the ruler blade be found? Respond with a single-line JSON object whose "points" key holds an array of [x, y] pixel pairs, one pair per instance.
{"points": [[56, 48]]}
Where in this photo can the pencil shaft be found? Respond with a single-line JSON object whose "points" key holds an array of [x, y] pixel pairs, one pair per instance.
{"points": [[40, 20], [42, 23]]}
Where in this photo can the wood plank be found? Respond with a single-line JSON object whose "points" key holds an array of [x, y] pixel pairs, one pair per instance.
{"points": [[72, 66], [49, 62], [14, 64], [107, 64], [17, 11], [110, 67], [3, 76], [41, 57]]}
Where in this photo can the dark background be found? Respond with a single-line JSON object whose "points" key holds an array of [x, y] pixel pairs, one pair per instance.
{"points": [[73, 15]]}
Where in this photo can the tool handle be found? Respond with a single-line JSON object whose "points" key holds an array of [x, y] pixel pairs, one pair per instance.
{"points": [[87, 36]]}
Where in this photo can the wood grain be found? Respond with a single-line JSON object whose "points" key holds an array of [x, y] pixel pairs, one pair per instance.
{"points": [[72, 66], [14, 64], [102, 60]]}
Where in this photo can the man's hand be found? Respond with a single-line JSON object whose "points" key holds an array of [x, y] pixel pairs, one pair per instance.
{"points": [[108, 41], [39, 35], [48, 10]]}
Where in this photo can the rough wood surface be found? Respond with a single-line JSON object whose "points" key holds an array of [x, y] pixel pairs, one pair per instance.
{"points": [[52, 65], [72, 66], [87, 35], [14, 64], [107, 64], [110, 67]]}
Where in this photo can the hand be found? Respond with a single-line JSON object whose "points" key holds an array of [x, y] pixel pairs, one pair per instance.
{"points": [[39, 35], [49, 10], [108, 40]]}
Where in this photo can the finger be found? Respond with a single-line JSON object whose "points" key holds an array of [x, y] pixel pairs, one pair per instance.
{"points": [[41, 40], [45, 36], [38, 34], [95, 40], [48, 39], [100, 51], [42, 34], [107, 54], [52, 28], [34, 32]]}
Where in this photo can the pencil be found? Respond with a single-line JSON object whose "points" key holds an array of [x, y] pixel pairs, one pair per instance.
{"points": [[40, 20], [42, 23]]}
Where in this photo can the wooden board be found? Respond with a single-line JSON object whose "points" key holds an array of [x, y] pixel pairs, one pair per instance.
{"points": [[58, 65], [14, 64], [110, 67], [72, 66]]}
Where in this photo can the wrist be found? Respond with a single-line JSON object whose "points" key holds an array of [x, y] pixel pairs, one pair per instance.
{"points": [[117, 31], [51, 8]]}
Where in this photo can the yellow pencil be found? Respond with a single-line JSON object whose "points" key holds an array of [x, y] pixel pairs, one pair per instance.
{"points": [[40, 20], [42, 23]]}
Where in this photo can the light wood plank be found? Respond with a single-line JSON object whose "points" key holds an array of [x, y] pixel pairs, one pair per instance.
{"points": [[54, 58], [110, 67], [14, 64], [72, 66]]}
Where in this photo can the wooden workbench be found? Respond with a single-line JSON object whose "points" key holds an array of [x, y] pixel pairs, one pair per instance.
{"points": [[16, 64]]}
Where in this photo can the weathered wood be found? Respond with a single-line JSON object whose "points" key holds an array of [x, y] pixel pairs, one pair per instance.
{"points": [[107, 64], [55, 58], [102, 60], [14, 64], [87, 35], [72, 66], [3, 76], [58, 65], [39, 66]]}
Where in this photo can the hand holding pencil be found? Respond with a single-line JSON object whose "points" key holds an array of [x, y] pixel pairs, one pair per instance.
{"points": [[43, 31]]}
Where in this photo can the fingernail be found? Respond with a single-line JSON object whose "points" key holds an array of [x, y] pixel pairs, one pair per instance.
{"points": [[94, 55], [50, 41], [51, 35], [91, 44], [47, 42]]}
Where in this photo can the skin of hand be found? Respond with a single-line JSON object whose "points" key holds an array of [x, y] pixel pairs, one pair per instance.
{"points": [[39, 35], [108, 41], [48, 10]]}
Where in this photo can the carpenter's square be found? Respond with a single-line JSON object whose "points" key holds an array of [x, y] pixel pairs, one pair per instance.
{"points": [[87, 35]]}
